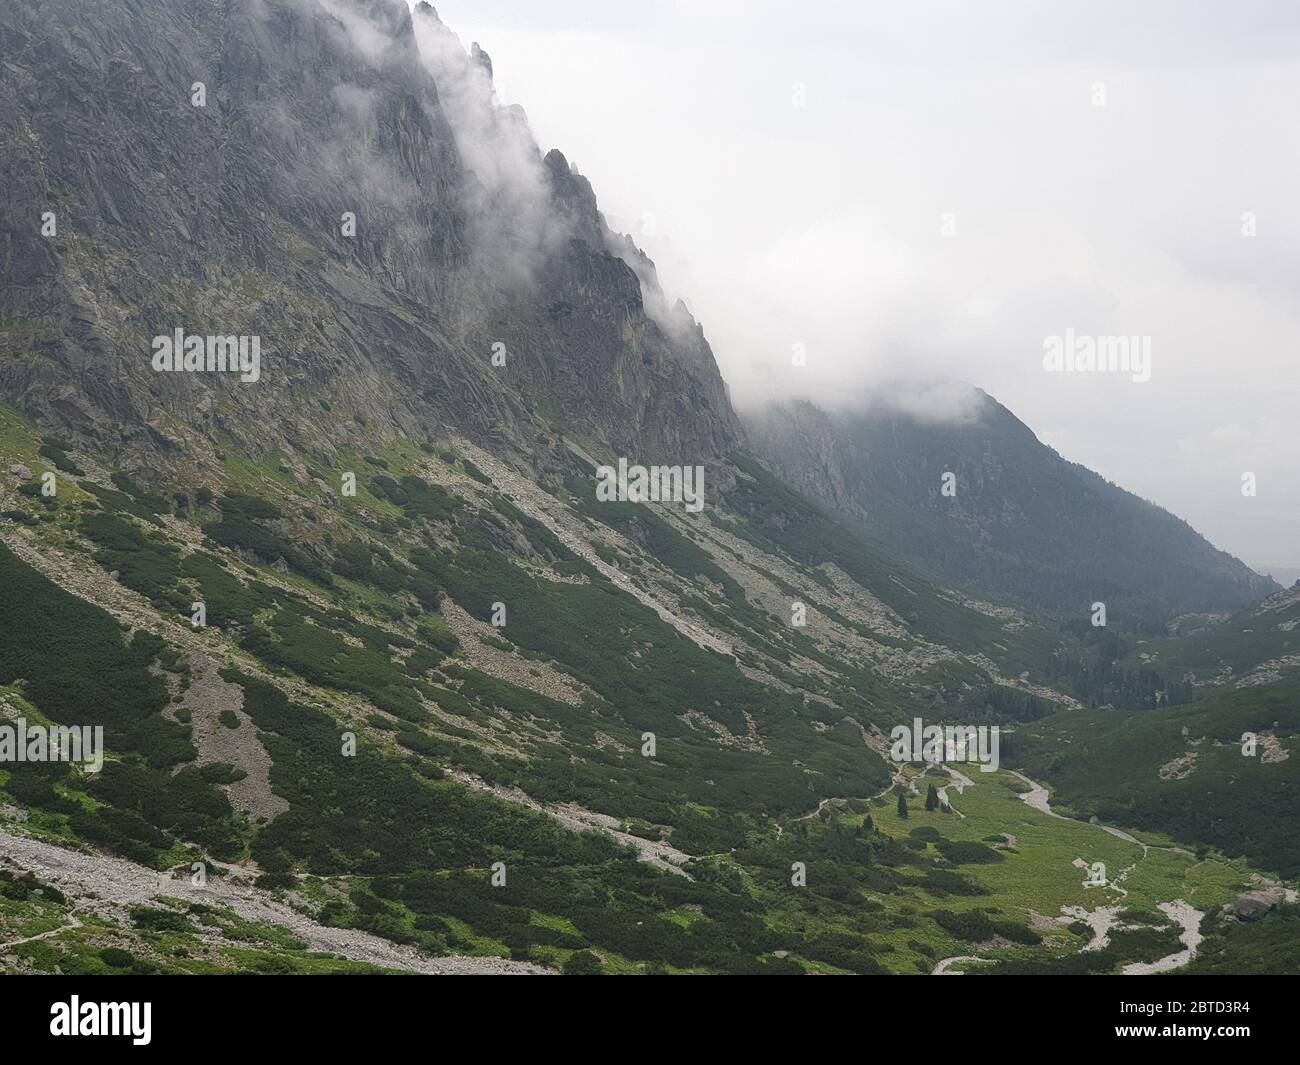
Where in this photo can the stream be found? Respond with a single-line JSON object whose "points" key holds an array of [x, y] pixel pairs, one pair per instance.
{"points": [[1101, 919]]}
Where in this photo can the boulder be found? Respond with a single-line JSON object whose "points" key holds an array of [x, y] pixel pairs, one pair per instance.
{"points": [[1252, 905]]}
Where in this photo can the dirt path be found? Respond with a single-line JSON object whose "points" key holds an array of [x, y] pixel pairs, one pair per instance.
{"points": [[944, 968], [121, 883], [73, 922], [820, 806]]}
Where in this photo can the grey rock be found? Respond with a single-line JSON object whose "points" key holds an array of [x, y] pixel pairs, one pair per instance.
{"points": [[225, 220], [1025, 524], [1252, 905]]}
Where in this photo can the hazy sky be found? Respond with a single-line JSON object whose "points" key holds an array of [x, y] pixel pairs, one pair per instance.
{"points": [[791, 169]]}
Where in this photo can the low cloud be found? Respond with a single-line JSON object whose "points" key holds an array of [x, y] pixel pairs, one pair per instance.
{"points": [[820, 229], [507, 197]]}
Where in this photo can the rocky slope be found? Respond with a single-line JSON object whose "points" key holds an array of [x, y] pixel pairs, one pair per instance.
{"points": [[229, 218], [1024, 524]]}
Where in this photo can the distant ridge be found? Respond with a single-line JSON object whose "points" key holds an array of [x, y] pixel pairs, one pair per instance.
{"points": [[1025, 524]]}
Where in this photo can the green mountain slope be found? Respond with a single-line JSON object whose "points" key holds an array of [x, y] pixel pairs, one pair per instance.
{"points": [[519, 743], [1183, 771]]}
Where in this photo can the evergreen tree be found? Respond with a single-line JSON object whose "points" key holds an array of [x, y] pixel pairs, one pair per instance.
{"points": [[931, 799], [902, 805]]}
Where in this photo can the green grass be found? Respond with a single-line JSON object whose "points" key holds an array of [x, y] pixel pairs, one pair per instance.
{"points": [[1108, 763]]}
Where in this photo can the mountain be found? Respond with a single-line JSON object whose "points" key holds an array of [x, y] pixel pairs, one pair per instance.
{"points": [[386, 681], [229, 218], [1287, 576], [1020, 524], [1255, 646]]}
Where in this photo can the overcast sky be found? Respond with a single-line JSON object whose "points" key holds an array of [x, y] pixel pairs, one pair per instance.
{"points": [[791, 168]]}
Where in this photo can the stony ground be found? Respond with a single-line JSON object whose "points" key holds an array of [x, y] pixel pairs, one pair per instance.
{"points": [[116, 884]]}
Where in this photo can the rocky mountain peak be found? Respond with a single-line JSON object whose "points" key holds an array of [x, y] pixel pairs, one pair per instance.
{"points": [[481, 57], [337, 178]]}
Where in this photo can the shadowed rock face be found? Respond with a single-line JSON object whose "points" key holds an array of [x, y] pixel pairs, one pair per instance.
{"points": [[228, 219], [1025, 524]]}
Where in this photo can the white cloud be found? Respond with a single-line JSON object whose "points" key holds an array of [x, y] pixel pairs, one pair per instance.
{"points": [[821, 224]]}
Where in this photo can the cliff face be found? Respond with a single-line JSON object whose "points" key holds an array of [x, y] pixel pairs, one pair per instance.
{"points": [[1024, 523], [197, 166]]}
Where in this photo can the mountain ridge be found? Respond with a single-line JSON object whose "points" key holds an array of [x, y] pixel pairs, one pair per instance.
{"points": [[1023, 523], [249, 243]]}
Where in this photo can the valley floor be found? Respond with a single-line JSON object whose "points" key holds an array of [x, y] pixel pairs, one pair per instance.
{"points": [[1045, 874]]}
